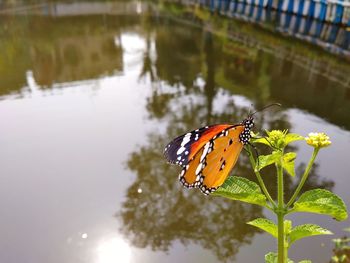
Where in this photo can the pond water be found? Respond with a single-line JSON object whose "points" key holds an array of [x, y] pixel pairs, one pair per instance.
{"points": [[91, 92]]}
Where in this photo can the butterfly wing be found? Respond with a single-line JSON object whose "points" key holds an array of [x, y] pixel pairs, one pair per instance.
{"points": [[183, 148], [210, 166]]}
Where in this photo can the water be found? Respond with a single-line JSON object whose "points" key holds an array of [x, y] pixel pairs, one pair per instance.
{"points": [[89, 95]]}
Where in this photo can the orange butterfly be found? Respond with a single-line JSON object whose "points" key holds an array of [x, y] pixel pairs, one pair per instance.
{"points": [[207, 155]]}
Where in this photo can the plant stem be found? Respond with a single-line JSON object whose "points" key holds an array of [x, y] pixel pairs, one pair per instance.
{"points": [[280, 213], [304, 177], [260, 180], [281, 238]]}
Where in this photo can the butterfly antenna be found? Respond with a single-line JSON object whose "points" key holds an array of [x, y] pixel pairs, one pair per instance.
{"points": [[267, 106], [250, 109]]}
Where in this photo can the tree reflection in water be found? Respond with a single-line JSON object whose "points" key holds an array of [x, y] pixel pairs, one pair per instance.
{"points": [[157, 211]]}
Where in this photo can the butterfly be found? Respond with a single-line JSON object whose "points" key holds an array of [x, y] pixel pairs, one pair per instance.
{"points": [[207, 155]]}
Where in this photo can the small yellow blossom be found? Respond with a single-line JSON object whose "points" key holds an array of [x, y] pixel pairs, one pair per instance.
{"points": [[277, 137], [318, 139]]}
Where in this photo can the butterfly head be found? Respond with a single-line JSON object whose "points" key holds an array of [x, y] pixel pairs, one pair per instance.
{"points": [[248, 123]]}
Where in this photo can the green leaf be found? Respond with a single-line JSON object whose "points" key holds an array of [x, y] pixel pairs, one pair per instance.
{"points": [[347, 229], [262, 140], [307, 230], [288, 163], [305, 261], [291, 137], [265, 160], [239, 188], [321, 201], [287, 227], [266, 225], [272, 257], [343, 258]]}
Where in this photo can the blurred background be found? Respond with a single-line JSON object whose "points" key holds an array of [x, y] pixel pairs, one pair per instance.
{"points": [[91, 92]]}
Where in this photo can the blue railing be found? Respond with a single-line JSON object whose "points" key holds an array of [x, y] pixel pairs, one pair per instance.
{"points": [[329, 36], [332, 11]]}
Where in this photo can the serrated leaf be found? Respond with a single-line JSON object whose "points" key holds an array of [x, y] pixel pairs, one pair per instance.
{"points": [[239, 188], [291, 137], [265, 160], [288, 163], [266, 225], [307, 230], [321, 201], [272, 257]]}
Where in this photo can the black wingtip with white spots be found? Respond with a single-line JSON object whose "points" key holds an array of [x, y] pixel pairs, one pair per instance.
{"points": [[178, 150]]}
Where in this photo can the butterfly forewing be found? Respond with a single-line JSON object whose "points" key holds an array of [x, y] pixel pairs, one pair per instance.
{"points": [[183, 148]]}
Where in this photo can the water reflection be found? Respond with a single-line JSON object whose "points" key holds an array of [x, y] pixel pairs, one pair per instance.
{"points": [[190, 77], [113, 250]]}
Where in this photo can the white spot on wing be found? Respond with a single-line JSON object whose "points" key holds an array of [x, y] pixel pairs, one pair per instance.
{"points": [[199, 168], [180, 150], [205, 151], [186, 139]]}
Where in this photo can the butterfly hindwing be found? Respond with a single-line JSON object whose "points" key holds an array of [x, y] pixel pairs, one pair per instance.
{"points": [[183, 148], [221, 160], [211, 165]]}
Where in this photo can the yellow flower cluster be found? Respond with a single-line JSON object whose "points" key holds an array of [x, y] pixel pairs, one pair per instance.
{"points": [[276, 135], [318, 139]]}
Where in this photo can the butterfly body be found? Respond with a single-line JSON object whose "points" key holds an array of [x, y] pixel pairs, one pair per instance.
{"points": [[207, 155]]}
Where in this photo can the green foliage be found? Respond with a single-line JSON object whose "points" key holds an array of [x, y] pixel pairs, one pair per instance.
{"points": [[239, 188], [321, 201], [292, 137], [278, 139], [287, 227], [341, 250], [288, 163], [307, 230], [339, 259], [265, 160], [314, 201], [271, 257], [266, 225]]}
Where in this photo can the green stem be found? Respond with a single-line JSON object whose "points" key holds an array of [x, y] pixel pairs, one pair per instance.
{"points": [[260, 180], [281, 238], [304, 177], [280, 213]]}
